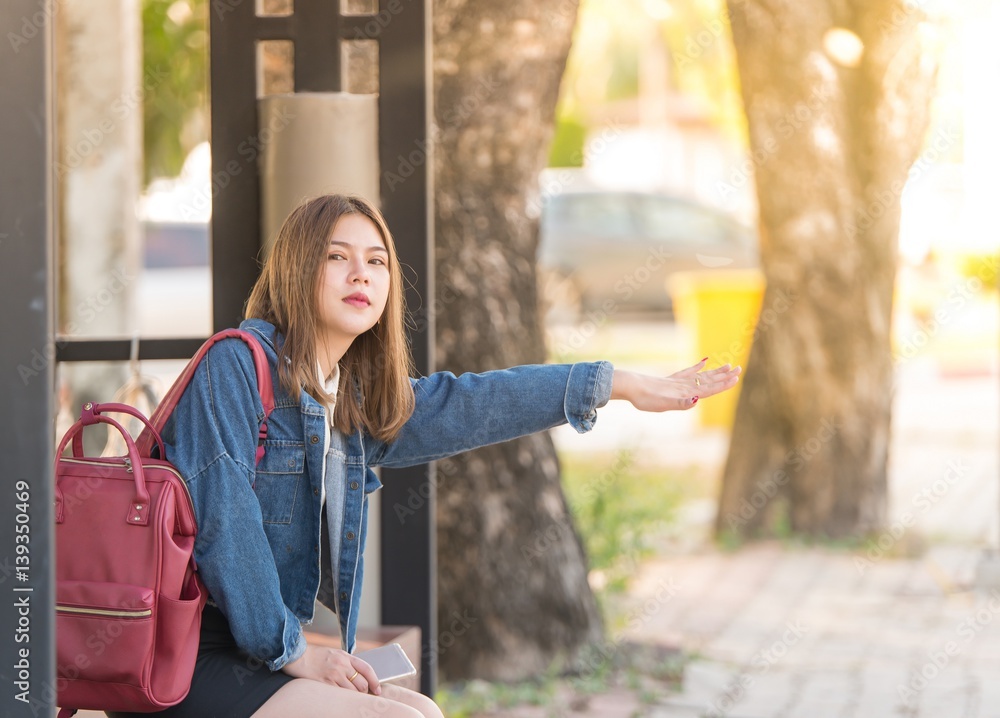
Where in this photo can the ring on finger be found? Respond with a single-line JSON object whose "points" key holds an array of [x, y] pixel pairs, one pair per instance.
{"points": [[697, 381], [351, 679]]}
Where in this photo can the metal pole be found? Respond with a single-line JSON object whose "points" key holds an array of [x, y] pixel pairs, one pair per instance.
{"points": [[409, 549], [27, 621]]}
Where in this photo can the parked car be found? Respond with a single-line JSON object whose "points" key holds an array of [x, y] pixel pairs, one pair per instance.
{"points": [[174, 291], [175, 244], [599, 247]]}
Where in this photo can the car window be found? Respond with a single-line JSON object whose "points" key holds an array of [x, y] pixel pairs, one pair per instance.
{"points": [[664, 218], [608, 215]]}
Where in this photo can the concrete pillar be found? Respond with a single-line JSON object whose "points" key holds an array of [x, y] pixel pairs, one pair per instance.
{"points": [[314, 143], [99, 97]]}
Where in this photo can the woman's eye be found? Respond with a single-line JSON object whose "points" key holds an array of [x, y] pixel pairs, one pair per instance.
{"points": [[377, 260], [335, 255]]}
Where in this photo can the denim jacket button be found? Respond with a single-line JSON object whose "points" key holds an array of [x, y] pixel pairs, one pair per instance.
{"points": [[354, 485], [350, 535], [315, 492], [314, 439], [343, 595]]}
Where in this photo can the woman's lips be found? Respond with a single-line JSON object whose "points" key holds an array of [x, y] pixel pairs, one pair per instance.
{"points": [[358, 300]]}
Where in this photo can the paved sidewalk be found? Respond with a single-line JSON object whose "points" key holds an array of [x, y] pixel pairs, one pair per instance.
{"points": [[814, 633], [774, 631]]}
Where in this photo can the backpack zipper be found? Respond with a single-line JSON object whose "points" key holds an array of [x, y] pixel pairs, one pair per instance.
{"points": [[118, 613], [128, 466]]}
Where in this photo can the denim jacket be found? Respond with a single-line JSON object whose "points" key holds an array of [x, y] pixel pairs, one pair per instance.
{"points": [[259, 543]]}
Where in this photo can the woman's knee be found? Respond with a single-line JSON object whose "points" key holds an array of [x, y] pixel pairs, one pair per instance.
{"points": [[427, 707], [306, 698]]}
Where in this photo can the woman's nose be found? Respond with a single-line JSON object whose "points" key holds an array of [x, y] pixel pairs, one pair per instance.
{"points": [[359, 272]]}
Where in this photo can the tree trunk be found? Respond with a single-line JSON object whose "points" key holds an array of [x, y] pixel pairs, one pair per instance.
{"points": [[513, 592], [831, 146]]}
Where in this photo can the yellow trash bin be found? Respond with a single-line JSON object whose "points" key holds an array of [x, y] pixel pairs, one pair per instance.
{"points": [[720, 308]]}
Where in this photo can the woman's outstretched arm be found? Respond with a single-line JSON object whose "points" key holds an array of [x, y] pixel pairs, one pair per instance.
{"points": [[458, 413], [680, 390]]}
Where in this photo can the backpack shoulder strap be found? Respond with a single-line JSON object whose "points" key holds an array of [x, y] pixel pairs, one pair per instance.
{"points": [[147, 438]]}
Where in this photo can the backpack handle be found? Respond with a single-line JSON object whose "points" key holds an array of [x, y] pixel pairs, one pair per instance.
{"points": [[138, 509], [113, 407]]}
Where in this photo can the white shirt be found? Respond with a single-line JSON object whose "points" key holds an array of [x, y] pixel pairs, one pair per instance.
{"points": [[332, 384]]}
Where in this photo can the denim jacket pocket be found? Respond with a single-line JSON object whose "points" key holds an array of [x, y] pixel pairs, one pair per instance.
{"points": [[278, 480]]}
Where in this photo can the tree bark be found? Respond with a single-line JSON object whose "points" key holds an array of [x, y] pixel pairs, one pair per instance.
{"points": [[510, 562], [831, 147]]}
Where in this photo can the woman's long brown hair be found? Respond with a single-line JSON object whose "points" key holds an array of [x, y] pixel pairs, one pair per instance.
{"points": [[375, 372]]}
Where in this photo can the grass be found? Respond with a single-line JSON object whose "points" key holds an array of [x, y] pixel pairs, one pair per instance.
{"points": [[476, 697], [622, 509], [645, 672]]}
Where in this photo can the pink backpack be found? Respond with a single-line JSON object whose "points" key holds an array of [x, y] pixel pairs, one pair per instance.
{"points": [[128, 596]]}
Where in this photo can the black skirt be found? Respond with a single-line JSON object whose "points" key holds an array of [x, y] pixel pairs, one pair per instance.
{"points": [[227, 681]]}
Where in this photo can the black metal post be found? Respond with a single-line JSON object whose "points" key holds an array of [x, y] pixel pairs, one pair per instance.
{"points": [[235, 148], [27, 611], [409, 547]]}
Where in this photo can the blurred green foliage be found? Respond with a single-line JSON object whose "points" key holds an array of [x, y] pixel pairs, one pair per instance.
{"points": [[620, 509], [567, 143], [174, 43], [478, 697]]}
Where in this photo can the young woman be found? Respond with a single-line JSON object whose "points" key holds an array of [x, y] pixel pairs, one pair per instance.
{"points": [[328, 310]]}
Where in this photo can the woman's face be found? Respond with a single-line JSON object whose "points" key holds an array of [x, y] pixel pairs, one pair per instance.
{"points": [[354, 283]]}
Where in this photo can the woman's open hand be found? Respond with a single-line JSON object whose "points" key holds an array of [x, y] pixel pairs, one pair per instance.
{"points": [[680, 390], [336, 667]]}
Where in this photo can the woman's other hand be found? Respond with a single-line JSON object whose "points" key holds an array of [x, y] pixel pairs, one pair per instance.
{"points": [[680, 390], [336, 667]]}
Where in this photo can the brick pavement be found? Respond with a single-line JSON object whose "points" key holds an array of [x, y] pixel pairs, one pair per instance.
{"points": [[779, 632]]}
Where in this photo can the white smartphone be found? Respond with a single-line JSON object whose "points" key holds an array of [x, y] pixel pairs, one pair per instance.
{"points": [[389, 661]]}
